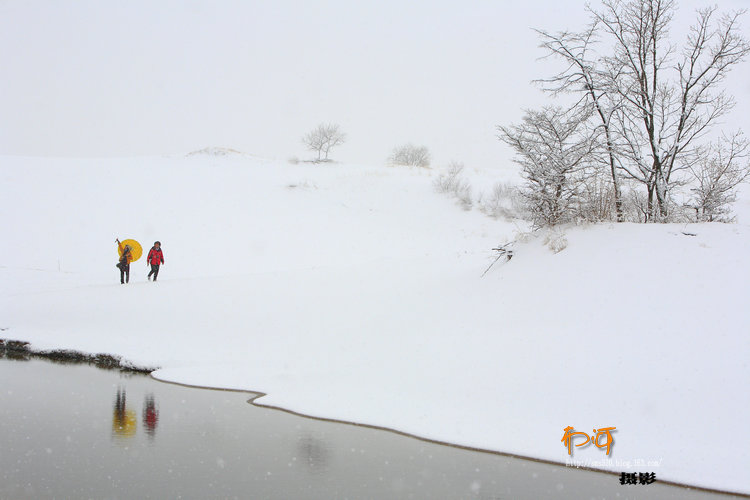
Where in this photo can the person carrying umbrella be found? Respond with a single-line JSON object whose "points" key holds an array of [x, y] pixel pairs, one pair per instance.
{"points": [[126, 256]]}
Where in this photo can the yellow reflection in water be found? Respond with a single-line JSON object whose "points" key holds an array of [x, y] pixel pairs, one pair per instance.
{"points": [[124, 421]]}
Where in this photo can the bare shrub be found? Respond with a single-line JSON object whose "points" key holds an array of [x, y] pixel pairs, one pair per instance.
{"points": [[598, 201], [463, 195], [410, 155], [636, 206], [447, 182], [717, 177], [453, 184], [504, 200], [556, 241]]}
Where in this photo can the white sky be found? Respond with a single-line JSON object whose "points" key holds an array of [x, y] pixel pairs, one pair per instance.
{"points": [[142, 77]]}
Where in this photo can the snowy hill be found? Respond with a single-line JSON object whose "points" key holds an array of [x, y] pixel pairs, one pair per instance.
{"points": [[354, 293]]}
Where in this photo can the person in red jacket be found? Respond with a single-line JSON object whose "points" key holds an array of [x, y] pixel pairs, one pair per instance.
{"points": [[155, 258]]}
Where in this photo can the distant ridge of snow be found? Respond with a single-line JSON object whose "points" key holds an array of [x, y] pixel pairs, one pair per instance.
{"points": [[214, 151]]}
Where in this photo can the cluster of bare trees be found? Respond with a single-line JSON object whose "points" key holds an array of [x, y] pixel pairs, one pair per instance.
{"points": [[635, 143]]}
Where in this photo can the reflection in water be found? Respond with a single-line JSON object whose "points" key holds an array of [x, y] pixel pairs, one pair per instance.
{"points": [[314, 451], [124, 420], [150, 415]]}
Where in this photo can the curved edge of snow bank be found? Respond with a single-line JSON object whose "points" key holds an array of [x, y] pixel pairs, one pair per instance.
{"points": [[256, 396]]}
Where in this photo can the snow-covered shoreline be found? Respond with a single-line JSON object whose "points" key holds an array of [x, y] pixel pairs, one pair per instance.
{"points": [[353, 293]]}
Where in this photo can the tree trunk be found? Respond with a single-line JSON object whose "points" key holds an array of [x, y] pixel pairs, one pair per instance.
{"points": [[615, 183], [661, 196], [611, 152], [650, 203]]}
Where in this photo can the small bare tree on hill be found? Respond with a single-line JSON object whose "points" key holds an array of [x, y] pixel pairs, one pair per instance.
{"points": [[323, 138]]}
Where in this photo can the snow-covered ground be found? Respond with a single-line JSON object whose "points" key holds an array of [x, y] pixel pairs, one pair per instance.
{"points": [[354, 293]]}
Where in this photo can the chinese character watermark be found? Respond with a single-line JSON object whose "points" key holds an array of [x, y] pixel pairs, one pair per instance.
{"points": [[637, 478], [604, 432]]}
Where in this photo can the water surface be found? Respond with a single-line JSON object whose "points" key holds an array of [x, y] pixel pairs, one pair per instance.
{"points": [[74, 431]]}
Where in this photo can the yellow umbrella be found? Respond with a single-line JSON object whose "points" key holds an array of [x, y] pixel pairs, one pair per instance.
{"points": [[135, 249]]}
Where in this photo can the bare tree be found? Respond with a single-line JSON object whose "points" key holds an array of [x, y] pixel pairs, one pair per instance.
{"points": [[410, 155], [667, 108], [653, 104], [554, 151], [323, 138], [584, 75], [717, 176]]}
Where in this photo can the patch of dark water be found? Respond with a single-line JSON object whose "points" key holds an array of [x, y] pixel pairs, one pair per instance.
{"points": [[74, 431]]}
